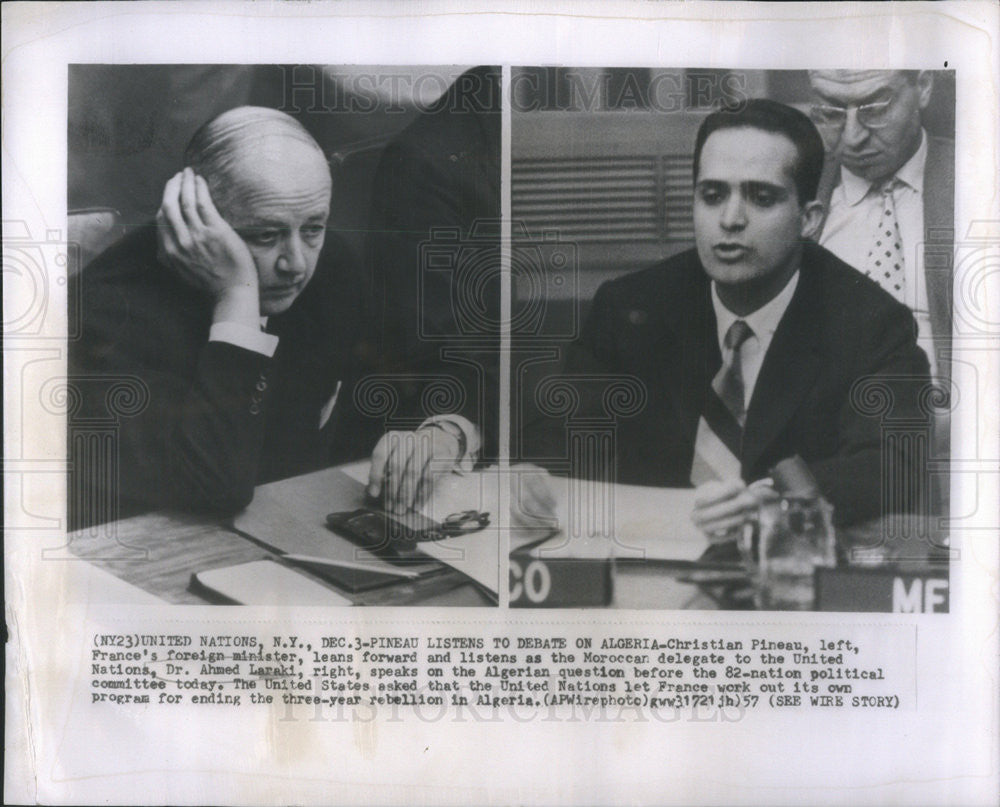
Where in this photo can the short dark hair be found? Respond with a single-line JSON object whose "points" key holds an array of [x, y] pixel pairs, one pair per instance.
{"points": [[770, 116]]}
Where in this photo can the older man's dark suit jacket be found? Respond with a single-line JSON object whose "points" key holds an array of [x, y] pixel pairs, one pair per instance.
{"points": [[939, 234], [203, 422], [840, 330]]}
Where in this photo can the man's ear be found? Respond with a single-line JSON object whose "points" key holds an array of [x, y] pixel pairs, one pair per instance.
{"points": [[925, 86], [812, 219]]}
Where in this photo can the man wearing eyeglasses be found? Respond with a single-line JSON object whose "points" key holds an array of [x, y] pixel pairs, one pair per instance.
{"points": [[889, 188]]}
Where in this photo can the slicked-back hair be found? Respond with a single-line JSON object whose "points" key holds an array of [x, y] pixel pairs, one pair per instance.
{"points": [[771, 116]]}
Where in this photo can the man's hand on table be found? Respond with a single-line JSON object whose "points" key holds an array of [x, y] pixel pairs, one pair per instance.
{"points": [[723, 507], [404, 464]]}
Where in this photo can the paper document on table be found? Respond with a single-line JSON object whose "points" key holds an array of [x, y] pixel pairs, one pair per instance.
{"points": [[477, 553], [266, 583], [290, 516], [601, 520]]}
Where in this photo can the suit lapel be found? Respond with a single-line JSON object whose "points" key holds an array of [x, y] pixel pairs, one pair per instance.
{"points": [[939, 213], [789, 370], [828, 182]]}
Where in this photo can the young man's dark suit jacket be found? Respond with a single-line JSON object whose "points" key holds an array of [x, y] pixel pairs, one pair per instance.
{"points": [[214, 419], [659, 326]]}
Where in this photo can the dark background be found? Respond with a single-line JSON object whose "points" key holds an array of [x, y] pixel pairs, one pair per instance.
{"points": [[129, 124]]}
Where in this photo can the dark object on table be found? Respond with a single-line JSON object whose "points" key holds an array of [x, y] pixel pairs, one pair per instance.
{"points": [[395, 537]]}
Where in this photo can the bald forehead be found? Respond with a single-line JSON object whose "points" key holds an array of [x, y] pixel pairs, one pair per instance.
{"points": [[277, 161], [280, 176], [278, 147]]}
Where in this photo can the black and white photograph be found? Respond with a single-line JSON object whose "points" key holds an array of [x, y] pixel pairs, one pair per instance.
{"points": [[579, 402], [285, 352], [742, 389]]}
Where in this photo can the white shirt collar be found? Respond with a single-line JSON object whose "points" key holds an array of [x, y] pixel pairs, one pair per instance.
{"points": [[763, 322], [912, 173]]}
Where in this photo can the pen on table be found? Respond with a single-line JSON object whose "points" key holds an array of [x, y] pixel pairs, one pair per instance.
{"points": [[347, 564]]}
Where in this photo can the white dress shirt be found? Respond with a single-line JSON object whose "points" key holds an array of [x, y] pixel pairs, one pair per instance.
{"points": [[763, 322], [713, 459], [236, 333], [855, 207]]}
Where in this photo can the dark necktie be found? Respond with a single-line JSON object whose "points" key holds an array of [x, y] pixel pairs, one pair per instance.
{"points": [[719, 441], [728, 382]]}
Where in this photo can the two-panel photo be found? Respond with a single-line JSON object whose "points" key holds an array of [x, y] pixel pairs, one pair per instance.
{"points": [[694, 354]]}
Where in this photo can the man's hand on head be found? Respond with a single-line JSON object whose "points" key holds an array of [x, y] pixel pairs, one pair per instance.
{"points": [[723, 507], [404, 465], [198, 244]]}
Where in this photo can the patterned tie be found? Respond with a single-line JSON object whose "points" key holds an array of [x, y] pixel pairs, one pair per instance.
{"points": [[885, 264], [728, 382], [719, 440]]}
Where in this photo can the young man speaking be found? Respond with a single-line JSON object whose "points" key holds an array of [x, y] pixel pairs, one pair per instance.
{"points": [[758, 344]]}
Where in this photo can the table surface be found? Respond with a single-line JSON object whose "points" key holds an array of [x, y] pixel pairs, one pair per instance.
{"points": [[158, 552]]}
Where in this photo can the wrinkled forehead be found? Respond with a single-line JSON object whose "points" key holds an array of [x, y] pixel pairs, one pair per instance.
{"points": [[853, 85]]}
